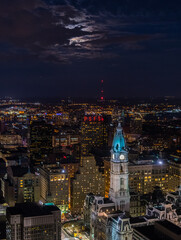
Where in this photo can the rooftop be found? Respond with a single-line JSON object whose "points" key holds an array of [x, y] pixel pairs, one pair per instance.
{"points": [[153, 232], [170, 226], [19, 171], [148, 231], [31, 209], [137, 220]]}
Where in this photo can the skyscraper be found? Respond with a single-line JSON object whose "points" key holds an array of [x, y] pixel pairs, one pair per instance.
{"points": [[87, 180], [55, 186], [32, 221], [94, 133], [40, 141], [22, 185]]}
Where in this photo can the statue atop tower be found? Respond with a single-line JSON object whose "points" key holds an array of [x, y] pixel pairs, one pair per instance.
{"points": [[118, 141]]}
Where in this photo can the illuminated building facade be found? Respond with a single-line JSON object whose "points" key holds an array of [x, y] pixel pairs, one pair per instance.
{"points": [[21, 185], [119, 190], [55, 186], [65, 140], [32, 221], [174, 174], [143, 176], [108, 216], [29, 188], [103, 215], [40, 141], [71, 167], [11, 140], [137, 205], [87, 180], [94, 133]]}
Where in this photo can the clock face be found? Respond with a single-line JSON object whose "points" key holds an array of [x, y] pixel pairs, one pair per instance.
{"points": [[122, 157]]}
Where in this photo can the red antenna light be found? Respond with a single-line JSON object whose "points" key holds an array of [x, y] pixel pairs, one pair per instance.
{"points": [[102, 91]]}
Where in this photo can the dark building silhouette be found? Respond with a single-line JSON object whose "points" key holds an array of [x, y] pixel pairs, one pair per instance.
{"points": [[33, 221], [94, 133], [161, 230], [40, 141]]}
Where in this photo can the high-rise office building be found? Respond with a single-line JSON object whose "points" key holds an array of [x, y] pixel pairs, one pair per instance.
{"points": [[94, 133], [71, 166], [29, 188], [40, 141], [145, 175], [174, 173], [32, 221], [21, 185], [55, 186], [87, 180]]}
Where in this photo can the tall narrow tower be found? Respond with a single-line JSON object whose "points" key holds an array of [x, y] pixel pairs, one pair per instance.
{"points": [[119, 189], [102, 91]]}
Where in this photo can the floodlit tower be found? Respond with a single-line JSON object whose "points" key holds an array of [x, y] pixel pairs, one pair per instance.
{"points": [[119, 189]]}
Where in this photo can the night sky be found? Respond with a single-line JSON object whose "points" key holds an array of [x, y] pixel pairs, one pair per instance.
{"points": [[63, 48]]}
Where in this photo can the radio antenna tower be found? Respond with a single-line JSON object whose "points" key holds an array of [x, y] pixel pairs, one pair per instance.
{"points": [[102, 91]]}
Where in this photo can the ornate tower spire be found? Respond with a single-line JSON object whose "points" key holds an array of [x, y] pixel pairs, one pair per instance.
{"points": [[119, 190]]}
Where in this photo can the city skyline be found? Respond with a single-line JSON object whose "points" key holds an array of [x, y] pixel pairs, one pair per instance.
{"points": [[90, 119], [105, 171], [65, 48]]}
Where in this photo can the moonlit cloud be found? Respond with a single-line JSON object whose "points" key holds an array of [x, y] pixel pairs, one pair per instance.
{"points": [[63, 47], [85, 38], [64, 31]]}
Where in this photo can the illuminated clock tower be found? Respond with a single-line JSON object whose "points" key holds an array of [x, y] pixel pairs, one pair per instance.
{"points": [[119, 189]]}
